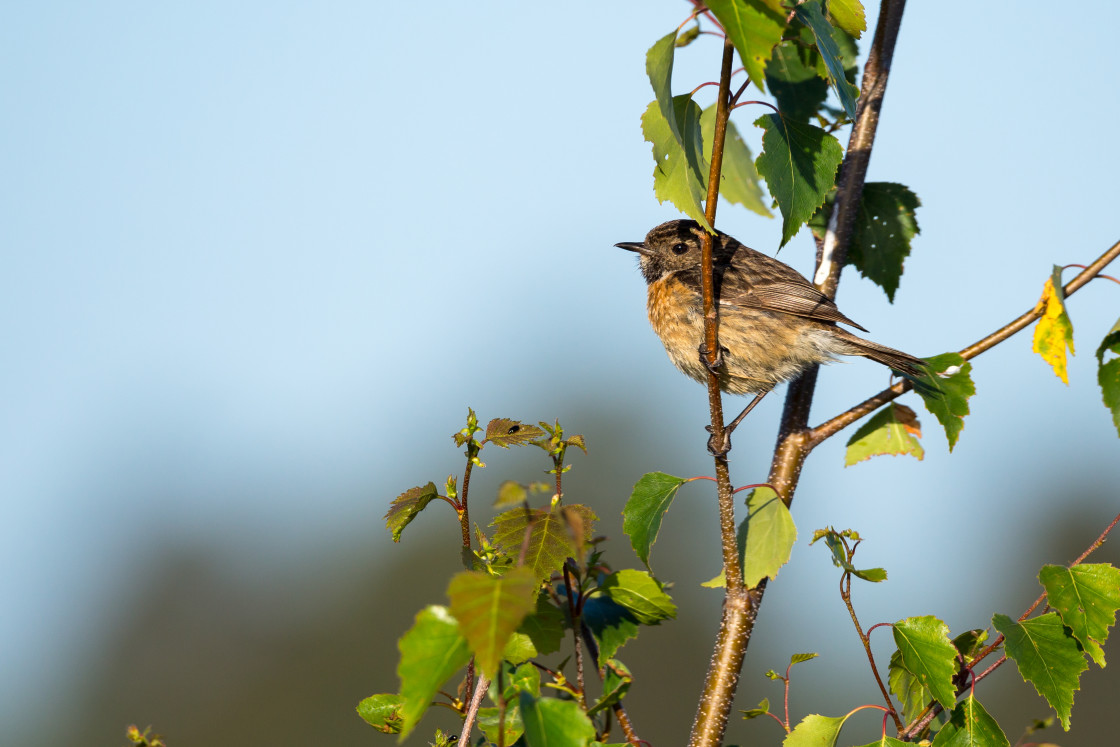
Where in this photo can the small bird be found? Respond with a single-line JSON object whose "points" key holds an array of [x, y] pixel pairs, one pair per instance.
{"points": [[773, 323]]}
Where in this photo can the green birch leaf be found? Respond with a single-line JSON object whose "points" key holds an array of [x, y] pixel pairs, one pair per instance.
{"points": [[1108, 373], [770, 536], [885, 226], [545, 626], [672, 125], [754, 29], [1087, 597], [1047, 656], [506, 433], [677, 176], [792, 76], [523, 678], [610, 623], [886, 741], [554, 723], [926, 652], [810, 14], [640, 594], [848, 15], [971, 726], [649, 500], [815, 731], [519, 648], [801, 658], [798, 162], [550, 543], [406, 506], [893, 430], [382, 712], [489, 609], [616, 682], [738, 179], [432, 650], [490, 718], [945, 390], [911, 693], [1054, 332]]}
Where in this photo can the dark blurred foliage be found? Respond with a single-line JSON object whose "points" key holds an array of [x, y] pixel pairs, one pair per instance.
{"points": [[209, 654]]}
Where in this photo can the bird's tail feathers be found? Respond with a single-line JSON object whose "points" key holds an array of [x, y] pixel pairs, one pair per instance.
{"points": [[889, 357]]}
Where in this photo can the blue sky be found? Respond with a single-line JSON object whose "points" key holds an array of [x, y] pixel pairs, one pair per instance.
{"points": [[258, 252]]}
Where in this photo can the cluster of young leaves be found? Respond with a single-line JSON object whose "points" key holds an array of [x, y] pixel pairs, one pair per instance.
{"points": [[535, 574], [800, 55], [930, 670], [1053, 336], [144, 738]]}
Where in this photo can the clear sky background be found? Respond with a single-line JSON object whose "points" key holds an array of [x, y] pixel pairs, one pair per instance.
{"points": [[257, 259]]}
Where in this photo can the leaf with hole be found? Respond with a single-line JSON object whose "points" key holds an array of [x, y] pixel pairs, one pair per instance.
{"points": [[945, 389], [506, 433], [885, 226]]}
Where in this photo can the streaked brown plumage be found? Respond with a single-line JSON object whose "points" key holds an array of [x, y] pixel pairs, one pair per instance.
{"points": [[773, 323]]}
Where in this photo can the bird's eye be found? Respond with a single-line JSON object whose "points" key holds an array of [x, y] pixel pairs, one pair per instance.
{"points": [[680, 248]]}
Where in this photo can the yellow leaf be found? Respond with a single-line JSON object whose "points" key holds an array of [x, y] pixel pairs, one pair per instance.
{"points": [[1054, 331]]}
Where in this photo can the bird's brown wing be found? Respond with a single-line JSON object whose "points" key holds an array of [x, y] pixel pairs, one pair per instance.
{"points": [[753, 280]]}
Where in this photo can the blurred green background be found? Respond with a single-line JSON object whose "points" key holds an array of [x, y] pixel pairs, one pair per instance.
{"points": [[259, 258]]}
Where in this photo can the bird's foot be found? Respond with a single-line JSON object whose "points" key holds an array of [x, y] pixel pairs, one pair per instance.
{"points": [[719, 447], [715, 365]]}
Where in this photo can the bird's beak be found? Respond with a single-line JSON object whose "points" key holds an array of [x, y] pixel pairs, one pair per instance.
{"points": [[633, 246]]}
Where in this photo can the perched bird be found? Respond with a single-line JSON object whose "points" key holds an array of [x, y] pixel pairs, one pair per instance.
{"points": [[773, 323]]}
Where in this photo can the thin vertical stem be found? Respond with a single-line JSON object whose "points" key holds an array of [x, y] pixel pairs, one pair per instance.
{"points": [[738, 609]]}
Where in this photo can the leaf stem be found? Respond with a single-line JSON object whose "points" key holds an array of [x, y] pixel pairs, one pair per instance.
{"points": [[764, 103], [464, 515], [865, 638], [738, 606], [574, 613]]}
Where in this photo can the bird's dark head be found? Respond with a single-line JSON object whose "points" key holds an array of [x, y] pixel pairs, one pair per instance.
{"points": [[670, 247]]}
